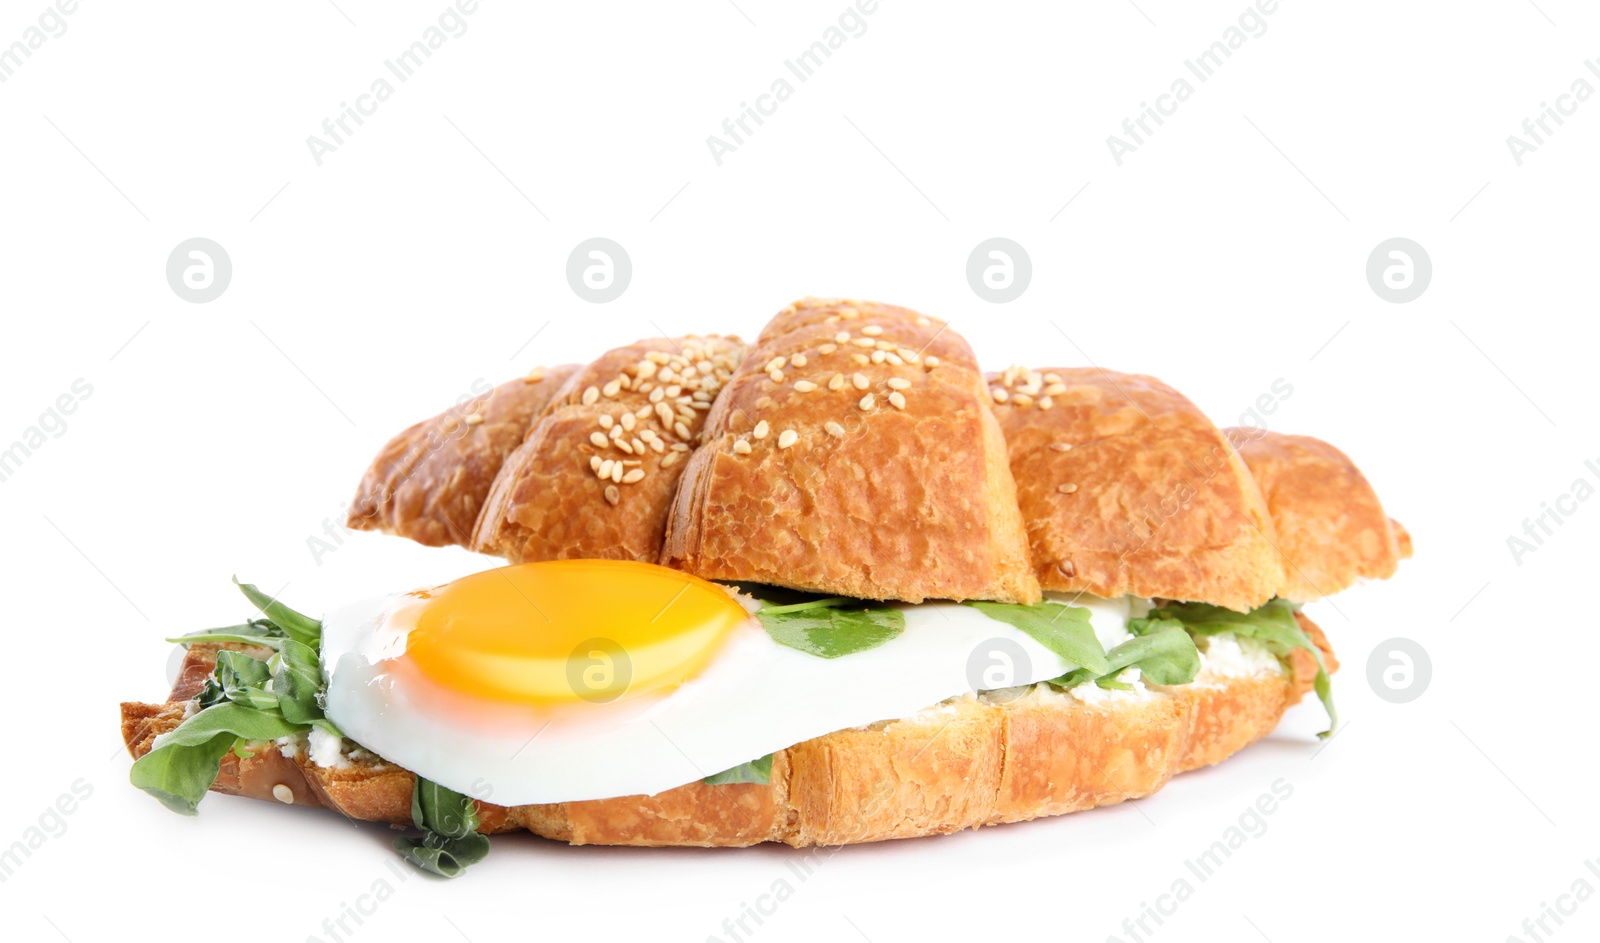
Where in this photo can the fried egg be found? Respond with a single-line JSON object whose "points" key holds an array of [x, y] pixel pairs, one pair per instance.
{"points": [[589, 679]]}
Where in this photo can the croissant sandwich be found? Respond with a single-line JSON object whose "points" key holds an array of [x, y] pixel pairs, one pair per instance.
{"points": [[835, 585]]}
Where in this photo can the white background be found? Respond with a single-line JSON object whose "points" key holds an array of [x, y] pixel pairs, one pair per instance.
{"points": [[1227, 252]]}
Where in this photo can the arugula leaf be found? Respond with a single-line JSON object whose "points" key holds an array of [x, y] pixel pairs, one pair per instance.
{"points": [[449, 822], [821, 627], [255, 632], [184, 764], [1163, 656], [241, 679], [1063, 629], [301, 628], [1272, 624], [755, 771], [297, 682]]}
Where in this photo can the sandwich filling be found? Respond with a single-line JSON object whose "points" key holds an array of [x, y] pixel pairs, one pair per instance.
{"points": [[733, 676]]}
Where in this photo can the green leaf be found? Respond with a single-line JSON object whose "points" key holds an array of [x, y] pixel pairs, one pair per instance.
{"points": [[1063, 629], [446, 857], [755, 771], [823, 629], [301, 628], [186, 761], [1167, 656], [240, 679], [297, 683], [254, 632], [450, 839], [180, 776], [1272, 624]]}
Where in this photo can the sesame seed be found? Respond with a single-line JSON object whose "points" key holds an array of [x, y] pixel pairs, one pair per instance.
{"points": [[837, 382], [930, 361], [923, 322], [787, 438], [804, 386], [283, 794], [664, 413], [884, 346], [645, 370], [683, 400], [827, 348], [775, 376], [658, 445], [679, 447], [636, 475], [872, 330], [798, 360], [860, 359], [760, 430], [1022, 399], [605, 468], [1052, 378], [681, 429], [612, 494], [612, 388], [1056, 389], [702, 407], [629, 420], [894, 359], [594, 463], [1046, 402], [616, 472], [848, 313], [1067, 488], [864, 342], [741, 447], [535, 375], [624, 445], [775, 363], [877, 356], [475, 419], [701, 396], [615, 433], [1000, 395], [606, 420], [670, 459], [834, 429], [1061, 446], [638, 447], [898, 399], [591, 396], [843, 337], [899, 383], [860, 380], [867, 402], [599, 440]]}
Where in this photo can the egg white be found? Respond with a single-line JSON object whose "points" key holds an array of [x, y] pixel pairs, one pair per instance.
{"points": [[755, 697]]}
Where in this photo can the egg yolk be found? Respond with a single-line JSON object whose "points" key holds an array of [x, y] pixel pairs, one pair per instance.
{"points": [[566, 630]]}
